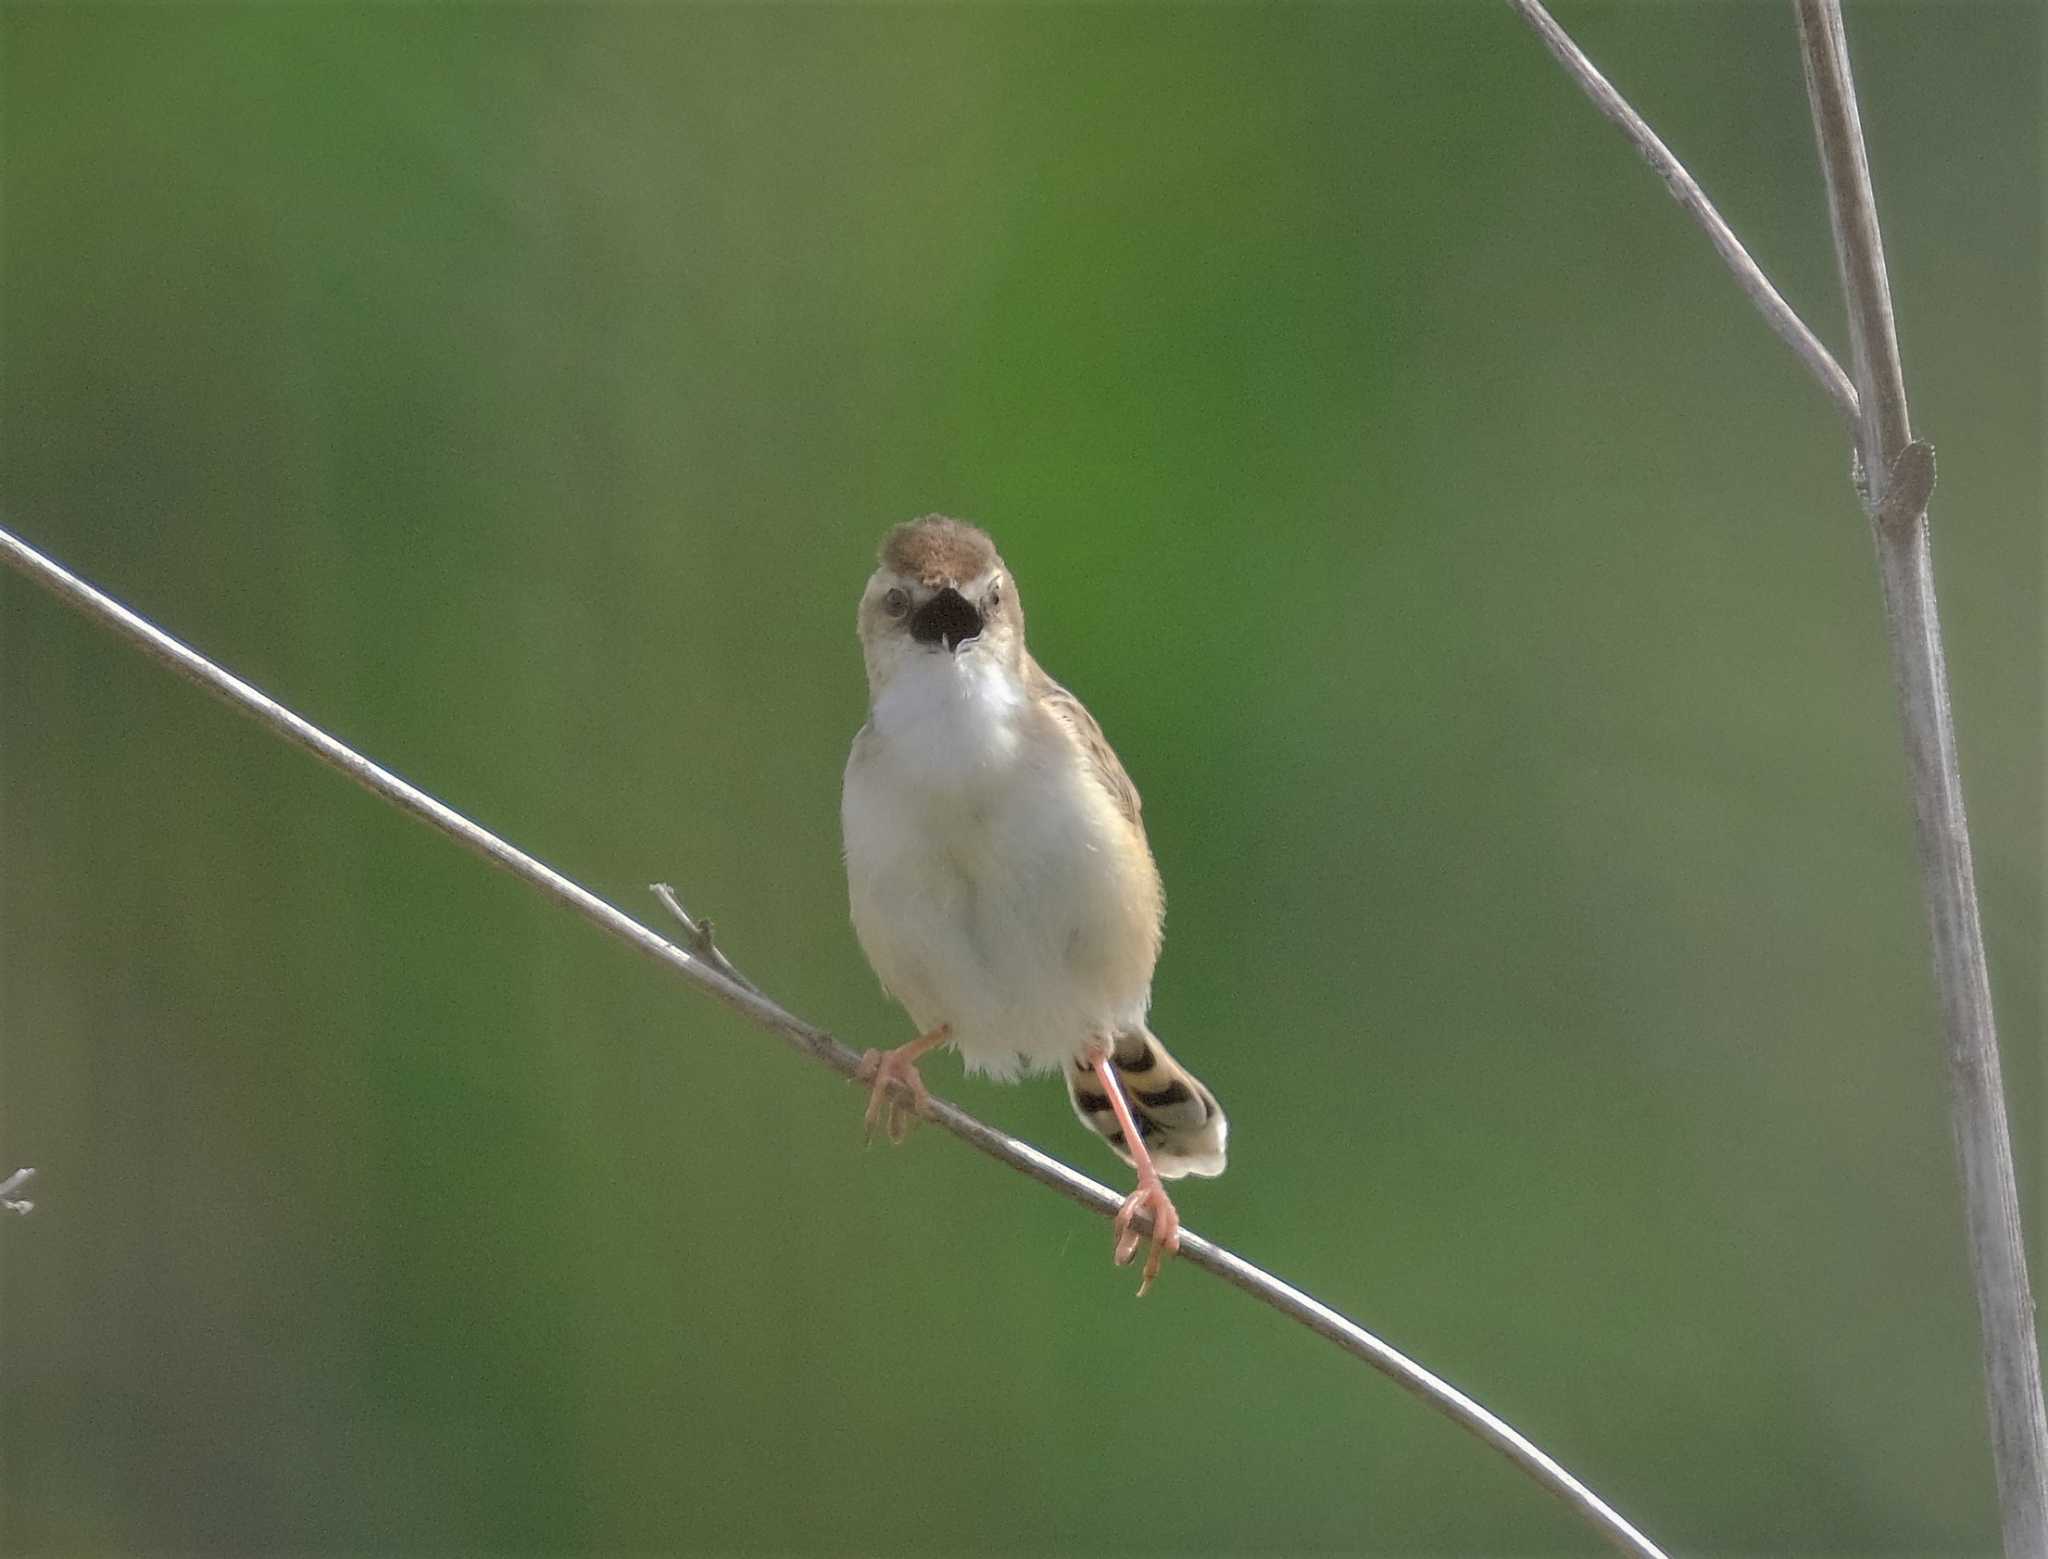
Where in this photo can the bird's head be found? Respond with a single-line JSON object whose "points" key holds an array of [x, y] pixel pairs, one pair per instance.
{"points": [[939, 589]]}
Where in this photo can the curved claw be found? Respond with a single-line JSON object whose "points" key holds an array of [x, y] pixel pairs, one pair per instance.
{"points": [[1149, 1197]]}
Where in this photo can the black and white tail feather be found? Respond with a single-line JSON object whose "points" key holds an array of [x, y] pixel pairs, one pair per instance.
{"points": [[1179, 1120]]}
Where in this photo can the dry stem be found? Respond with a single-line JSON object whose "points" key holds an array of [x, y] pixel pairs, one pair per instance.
{"points": [[1899, 476], [1896, 478]]}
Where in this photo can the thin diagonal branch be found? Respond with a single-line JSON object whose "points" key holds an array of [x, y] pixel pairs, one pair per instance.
{"points": [[707, 969], [1685, 189], [1899, 476]]}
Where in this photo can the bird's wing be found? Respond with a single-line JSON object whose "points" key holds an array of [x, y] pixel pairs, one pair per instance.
{"points": [[863, 744], [1102, 759]]}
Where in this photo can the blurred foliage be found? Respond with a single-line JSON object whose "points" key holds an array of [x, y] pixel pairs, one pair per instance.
{"points": [[1469, 580]]}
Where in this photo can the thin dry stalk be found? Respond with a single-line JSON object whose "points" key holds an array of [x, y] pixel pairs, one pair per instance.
{"points": [[1898, 478]]}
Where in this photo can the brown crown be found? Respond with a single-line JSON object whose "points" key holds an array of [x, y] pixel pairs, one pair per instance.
{"points": [[936, 550]]}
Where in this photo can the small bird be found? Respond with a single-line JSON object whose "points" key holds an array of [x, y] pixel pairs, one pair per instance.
{"points": [[1001, 883]]}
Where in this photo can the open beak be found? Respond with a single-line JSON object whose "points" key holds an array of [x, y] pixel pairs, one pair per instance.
{"points": [[947, 618]]}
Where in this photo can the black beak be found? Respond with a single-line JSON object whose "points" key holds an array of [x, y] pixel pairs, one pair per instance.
{"points": [[947, 617]]}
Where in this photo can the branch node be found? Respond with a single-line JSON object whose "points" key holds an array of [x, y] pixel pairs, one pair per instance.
{"points": [[9, 1202], [697, 937], [1907, 487]]}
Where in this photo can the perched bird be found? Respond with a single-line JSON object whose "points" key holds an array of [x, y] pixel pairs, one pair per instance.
{"points": [[1001, 883]]}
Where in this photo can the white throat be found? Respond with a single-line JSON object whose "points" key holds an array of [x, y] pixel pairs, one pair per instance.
{"points": [[950, 719]]}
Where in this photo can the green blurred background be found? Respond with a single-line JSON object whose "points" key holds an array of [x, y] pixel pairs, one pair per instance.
{"points": [[1467, 577]]}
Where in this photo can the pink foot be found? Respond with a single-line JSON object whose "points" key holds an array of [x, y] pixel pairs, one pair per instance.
{"points": [[1149, 1197], [893, 1073]]}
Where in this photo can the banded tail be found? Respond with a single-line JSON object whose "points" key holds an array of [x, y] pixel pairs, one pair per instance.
{"points": [[1179, 1120]]}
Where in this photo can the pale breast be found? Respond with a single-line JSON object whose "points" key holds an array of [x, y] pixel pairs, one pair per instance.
{"points": [[995, 886]]}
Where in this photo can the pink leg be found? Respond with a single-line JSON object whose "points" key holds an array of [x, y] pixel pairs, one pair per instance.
{"points": [[897, 1069], [1151, 1193]]}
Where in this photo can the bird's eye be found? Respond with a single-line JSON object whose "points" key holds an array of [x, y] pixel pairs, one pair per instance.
{"points": [[896, 602]]}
